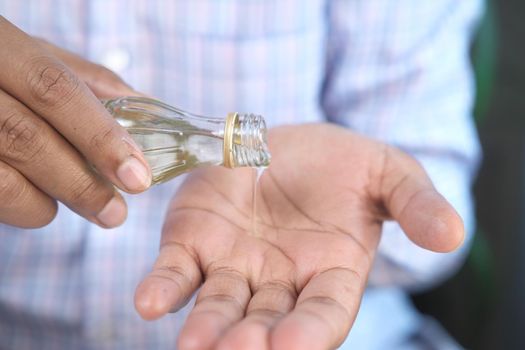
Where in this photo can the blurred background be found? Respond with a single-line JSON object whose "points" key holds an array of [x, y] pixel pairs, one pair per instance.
{"points": [[483, 306]]}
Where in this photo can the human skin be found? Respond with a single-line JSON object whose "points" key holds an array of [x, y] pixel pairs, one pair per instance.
{"points": [[297, 281], [53, 133]]}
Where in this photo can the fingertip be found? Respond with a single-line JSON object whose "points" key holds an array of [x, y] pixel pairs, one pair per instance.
{"points": [[432, 223], [199, 332], [290, 336], [446, 231], [154, 299], [43, 218], [114, 212], [202, 330], [134, 174], [228, 345], [246, 336], [190, 342]]}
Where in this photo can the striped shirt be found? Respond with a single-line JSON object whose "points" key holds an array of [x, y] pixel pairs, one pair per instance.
{"points": [[397, 71]]}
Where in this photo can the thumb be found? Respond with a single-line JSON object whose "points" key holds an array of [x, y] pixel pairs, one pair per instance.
{"points": [[103, 82], [411, 199]]}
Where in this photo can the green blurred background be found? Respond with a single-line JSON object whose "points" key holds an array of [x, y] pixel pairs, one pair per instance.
{"points": [[482, 305]]}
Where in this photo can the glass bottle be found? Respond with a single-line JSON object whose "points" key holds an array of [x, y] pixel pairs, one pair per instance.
{"points": [[174, 141]]}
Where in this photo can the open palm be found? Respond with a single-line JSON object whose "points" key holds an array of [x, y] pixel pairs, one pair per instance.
{"points": [[293, 276]]}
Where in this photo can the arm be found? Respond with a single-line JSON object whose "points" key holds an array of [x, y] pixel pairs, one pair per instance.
{"points": [[400, 72]]}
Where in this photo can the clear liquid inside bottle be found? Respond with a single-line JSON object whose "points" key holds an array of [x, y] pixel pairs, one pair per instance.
{"points": [[174, 141]]}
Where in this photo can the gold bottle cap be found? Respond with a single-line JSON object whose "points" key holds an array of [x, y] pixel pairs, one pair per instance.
{"points": [[229, 127]]}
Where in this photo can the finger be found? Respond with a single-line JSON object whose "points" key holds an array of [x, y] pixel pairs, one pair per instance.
{"points": [[221, 302], [53, 92], [409, 196], [103, 82], [169, 286], [268, 305], [324, 313], [30, 145], [21, 203]]}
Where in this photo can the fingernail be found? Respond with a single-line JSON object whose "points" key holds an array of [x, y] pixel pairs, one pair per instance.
{"points": [[134, 175], [113, 214]]}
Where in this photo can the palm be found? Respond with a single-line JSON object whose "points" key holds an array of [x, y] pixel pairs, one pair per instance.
{"points": [[299, 266]]}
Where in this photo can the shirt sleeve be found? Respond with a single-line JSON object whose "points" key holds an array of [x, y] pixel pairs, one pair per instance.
{"points": [[399, 71]]}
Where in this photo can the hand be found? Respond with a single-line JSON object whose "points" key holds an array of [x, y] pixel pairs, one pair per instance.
{"points": [[52, 127], [297, 280]]}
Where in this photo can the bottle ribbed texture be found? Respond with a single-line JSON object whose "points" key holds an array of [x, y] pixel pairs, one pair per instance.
{"points": [[249, 142], [174, 141]]}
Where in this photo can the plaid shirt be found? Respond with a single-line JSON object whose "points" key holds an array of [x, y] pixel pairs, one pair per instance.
{"points": [[397, 71]]}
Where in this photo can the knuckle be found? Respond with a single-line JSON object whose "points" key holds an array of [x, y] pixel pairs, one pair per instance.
{"points": [[86, 192], [106, 142], [21, 137], [51, 83], [101, 140], [176, 272]]}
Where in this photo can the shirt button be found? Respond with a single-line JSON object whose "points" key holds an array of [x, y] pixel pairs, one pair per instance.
{"points": [[116, 59]]}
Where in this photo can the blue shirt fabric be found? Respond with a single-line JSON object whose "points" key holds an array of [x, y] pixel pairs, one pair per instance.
{"points": [[397, 71]]}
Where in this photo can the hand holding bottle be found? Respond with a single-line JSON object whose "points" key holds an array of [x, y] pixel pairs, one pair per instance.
{"points": [[51, 127], [297, 280]]}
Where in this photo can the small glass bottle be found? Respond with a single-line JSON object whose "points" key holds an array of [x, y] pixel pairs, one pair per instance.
{"points": [[174, 141]]}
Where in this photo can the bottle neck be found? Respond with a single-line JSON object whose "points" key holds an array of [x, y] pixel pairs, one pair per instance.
{"points": [[245, 143], [165, 131]]}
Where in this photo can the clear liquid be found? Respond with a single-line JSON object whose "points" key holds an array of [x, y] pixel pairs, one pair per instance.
{"points": [[175, 141], [257, 173], [171, 146]]}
